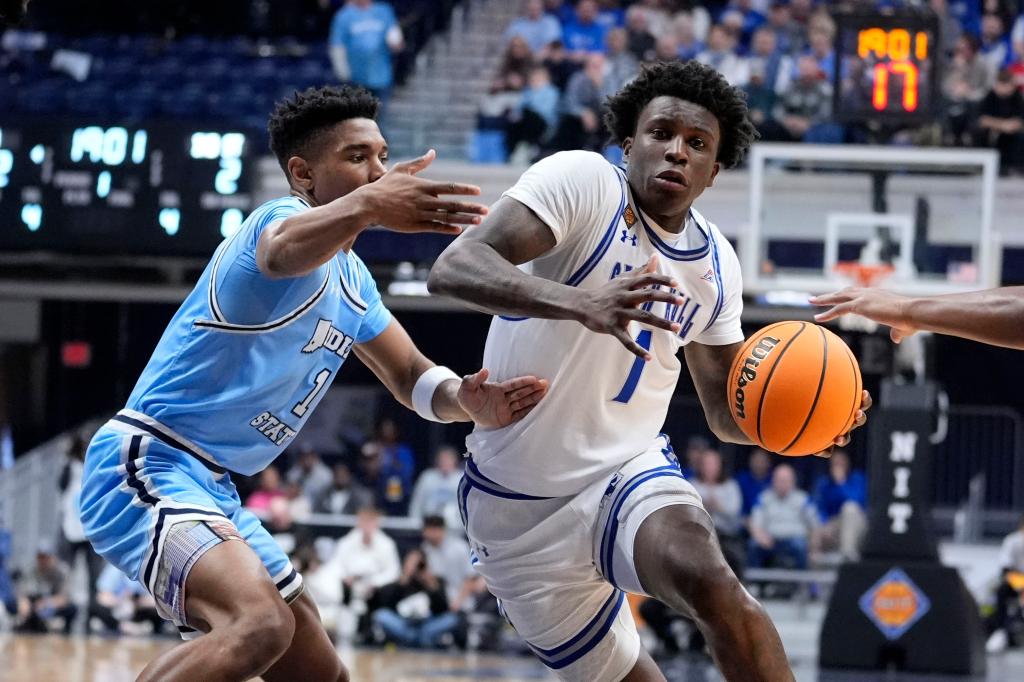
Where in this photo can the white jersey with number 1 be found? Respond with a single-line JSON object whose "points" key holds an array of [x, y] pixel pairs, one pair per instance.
{"points": [[605, 406]]}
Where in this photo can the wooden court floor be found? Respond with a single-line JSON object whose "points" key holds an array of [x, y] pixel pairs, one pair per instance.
{"points": [[53, 658]]}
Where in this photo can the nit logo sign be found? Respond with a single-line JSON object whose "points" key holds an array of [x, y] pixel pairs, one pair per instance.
{"points": [[894, 603]]}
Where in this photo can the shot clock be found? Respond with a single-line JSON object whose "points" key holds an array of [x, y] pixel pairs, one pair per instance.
{"points": [[886, 67], [164, 189]]}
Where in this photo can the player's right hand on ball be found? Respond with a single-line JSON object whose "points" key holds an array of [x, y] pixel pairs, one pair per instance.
{"points": [[401, 201], [609, 309]]}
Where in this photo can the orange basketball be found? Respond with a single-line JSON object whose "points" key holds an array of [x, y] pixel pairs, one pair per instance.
{"points": [[794, 387]]}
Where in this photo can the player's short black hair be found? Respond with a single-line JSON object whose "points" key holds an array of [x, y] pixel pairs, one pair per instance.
{"points": [[693, 82], [298, 122]]}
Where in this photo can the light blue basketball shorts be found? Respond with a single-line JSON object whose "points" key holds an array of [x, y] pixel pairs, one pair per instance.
{"points": [[152, 504]]}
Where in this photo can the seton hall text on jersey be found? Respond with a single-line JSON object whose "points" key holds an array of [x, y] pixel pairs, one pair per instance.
{"points": [[682, 314]]}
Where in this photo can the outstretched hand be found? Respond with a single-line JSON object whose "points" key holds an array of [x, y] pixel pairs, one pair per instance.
{"points": [[493, 405], [610, 308], [404, 202], [878, 305]]}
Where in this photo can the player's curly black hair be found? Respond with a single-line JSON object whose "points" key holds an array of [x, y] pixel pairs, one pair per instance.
{"points": [[693, 82], [297, 122]]}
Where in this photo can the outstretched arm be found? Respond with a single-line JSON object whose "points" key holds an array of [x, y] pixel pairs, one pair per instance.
{"points": [[480, 269], [399, 364], [993, 316], [399, 200], [709, 368]]}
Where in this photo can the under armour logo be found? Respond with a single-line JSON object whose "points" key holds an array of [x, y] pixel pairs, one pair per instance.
{"points": [[625, 236]]}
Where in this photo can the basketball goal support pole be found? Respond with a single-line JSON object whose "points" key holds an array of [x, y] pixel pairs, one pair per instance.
{"points": [[899, 608]]}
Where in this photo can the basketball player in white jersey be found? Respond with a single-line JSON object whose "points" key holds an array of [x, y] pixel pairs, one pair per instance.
{"points": [[598, 277]]}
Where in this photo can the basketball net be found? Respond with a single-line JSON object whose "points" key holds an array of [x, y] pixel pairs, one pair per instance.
{"points": [[863, 275]]}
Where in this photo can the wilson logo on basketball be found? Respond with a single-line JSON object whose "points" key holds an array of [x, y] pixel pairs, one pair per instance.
{"points": [[793, 388], [748, 372]]}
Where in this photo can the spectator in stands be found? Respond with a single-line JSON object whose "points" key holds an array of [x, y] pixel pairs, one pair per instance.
{"points": [[658, 18], [364, 36], [801, 12], [413, 611], [363, 561], [721, 54], [724, 502], [750, 19], [696, 446], [499, 107], [804, 109], [388, 468], [610, 14], [949, 28], [820, 47], [310, 473], [559, 66], [781, 523], [562, 10], [775, 66], [995, 43], [478, 612], [122, 604], [515, 66], [1010, 592], [641, 42], [580, 124], [622, 65], [755, 479], [43, 594], [269, 489], [841, 499], [964, 84], [72, 536], [344, 496], [584, 35], [437, 489], [666, 48], [1001, 123], [447, 554], [699, 17], [536, 117], [535, 27], [788, 37], [687, 44], [1016, 67]]}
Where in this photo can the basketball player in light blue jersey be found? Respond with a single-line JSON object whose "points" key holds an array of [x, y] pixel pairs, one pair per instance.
{"points": [[237, 373]]}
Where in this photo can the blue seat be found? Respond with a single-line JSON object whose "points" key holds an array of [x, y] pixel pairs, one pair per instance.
{"points": [[487, 146]]}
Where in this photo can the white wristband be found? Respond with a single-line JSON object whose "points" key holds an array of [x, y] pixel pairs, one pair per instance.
{"points": [[423, 391]]}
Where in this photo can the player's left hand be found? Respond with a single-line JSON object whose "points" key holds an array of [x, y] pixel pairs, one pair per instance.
{"points": [[495, 405], [859, 420]]}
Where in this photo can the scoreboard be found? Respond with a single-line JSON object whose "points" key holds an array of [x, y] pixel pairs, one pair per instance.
{"points": [[164, 189], [886, 67]]}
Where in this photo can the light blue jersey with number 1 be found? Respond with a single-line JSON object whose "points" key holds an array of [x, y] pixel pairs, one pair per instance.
{"points": [[246, 359]]}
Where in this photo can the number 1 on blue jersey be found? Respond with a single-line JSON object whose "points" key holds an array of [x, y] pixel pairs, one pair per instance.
{"points": [[318, 385], [643, 339]]}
